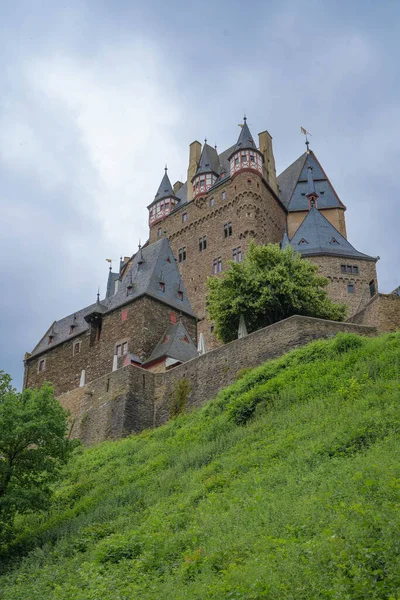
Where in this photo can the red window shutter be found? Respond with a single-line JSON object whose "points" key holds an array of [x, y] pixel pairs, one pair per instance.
{"points": [[124, 314]]}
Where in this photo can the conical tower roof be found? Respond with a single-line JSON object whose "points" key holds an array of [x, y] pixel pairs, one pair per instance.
{"points": [[165, 190], [209, 161], [245, 139]]}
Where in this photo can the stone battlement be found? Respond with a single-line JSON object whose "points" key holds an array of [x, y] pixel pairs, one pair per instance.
{"points": [[132, 399]]}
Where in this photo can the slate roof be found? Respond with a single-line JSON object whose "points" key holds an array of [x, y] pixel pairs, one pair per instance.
{"points": [[112, 278], [158, 261], [165, 189], [293, 185], [175, 343], [209, 161], [245, 139], [316, 235]]}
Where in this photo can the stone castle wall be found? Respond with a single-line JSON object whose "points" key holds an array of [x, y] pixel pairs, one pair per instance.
{"points": [[382, 312], [140, 323], [132, 399], [254, 212], [330, 267]]}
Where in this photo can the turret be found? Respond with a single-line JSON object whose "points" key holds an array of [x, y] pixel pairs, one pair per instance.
{"points": [[164, 201], [246, 156], [207, 171]]}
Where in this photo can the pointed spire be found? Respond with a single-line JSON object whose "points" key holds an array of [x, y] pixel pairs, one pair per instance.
{"points": [[245, 140], [98, 295], [242, 331], [165, 189], [209, 161], [285, 241]]}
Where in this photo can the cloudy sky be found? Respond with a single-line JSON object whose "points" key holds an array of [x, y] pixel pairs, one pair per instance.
{"points": [[96, 95]]}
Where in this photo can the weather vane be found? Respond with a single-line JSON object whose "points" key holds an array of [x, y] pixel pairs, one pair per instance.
{"points": [[306, 133]]}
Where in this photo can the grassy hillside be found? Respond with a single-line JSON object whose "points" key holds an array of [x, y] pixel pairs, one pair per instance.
{"points": [[287, 485]]}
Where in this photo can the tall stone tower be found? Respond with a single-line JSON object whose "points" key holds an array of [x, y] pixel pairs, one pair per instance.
{"points": [[229, 199]]}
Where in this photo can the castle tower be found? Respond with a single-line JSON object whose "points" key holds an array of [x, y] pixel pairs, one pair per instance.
{"points": [[164, 201], [245, 156], [207, 171], [295, 193]]}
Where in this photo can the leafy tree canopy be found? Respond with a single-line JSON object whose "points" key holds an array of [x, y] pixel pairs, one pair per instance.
{"points": [[33, 446], [269, 285]]}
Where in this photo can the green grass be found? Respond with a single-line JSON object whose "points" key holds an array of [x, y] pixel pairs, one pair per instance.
{"points": [[287, 485]]}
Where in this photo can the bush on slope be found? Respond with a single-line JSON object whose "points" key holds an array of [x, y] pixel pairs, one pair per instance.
{"points": [[287, 485]]}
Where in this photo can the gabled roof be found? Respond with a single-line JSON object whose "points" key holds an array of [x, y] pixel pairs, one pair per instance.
{"points": [[245, 139], [316, 235], [158, 262], [175, 343], [209, 161], [293, 185]]}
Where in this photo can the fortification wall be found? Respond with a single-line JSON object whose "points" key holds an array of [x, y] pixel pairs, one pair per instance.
{"points": [[383, 311], [133, 399]]}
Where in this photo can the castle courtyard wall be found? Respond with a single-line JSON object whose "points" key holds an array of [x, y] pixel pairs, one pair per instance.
{"points": [[132, 399]]}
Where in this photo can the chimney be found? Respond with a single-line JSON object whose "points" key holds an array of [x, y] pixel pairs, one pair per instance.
{"points": [[265, 142], [177, 186], [194, 159]]}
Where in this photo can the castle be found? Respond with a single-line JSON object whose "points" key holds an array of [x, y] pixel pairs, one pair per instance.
{"points": [[154, 311]]}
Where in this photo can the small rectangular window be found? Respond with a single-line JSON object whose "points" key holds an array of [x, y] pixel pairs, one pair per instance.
{"points": [[184, 217], [349, 269], [223, 195], [212, 328], [159, 232], [118, 350], [182, 254], [343, 268], [355, 269], [252, 158], [42, 365], [350, 288], [227, 230], [372, 288], [125, 348], [215, 266], [219, 264], [212, 201], [76, 348], [202, 243], [237, 254]]}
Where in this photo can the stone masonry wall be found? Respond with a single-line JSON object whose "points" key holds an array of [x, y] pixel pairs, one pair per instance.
{"points": [[382, 311], [146, 321], [254, 213], [329, 266], [132, 399]]}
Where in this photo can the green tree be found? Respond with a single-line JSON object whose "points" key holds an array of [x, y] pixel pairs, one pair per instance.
{"points": [[33, 446], [269, 285]]}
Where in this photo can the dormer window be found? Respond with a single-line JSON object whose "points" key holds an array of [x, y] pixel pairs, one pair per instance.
{"points": [[71, 329], [162, 286], [129, 289], [302, 241], [180, 296], [140, 266], [334, 241], [51, 339]]}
